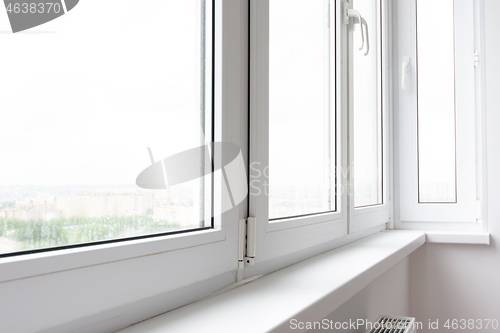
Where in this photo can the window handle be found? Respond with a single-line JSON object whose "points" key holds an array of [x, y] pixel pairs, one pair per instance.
{"points": [[405, 69], [357, 18], [352, 13]]}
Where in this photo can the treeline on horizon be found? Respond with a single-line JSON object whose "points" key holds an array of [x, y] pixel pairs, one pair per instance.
{"points": [[38, 233]]}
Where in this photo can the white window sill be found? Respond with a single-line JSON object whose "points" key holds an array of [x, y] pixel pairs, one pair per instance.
{"points": [[306, 291], [458, 237]]}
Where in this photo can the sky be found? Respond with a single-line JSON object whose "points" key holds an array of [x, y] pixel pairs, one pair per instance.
{"points": [[84, 96]]}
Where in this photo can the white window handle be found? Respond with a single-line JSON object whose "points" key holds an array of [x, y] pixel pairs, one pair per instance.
{"points": [[352, 13], [405, 69]]}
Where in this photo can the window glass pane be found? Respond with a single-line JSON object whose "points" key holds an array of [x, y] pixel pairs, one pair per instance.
{"points": [[367, 107], [301, 108], [83, 96], [436, 101]]}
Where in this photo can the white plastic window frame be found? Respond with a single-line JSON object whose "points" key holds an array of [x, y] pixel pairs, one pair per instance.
{"points": [[286, 236], [370, 216], [465, 214], [107, 276]]}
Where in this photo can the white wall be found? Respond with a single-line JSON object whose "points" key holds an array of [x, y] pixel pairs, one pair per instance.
{"points": [[463, 281], [387, 295]]}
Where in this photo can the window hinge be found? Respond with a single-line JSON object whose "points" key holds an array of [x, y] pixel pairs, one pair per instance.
{"points": [[246, 243], [479, 210], [476, 58]]}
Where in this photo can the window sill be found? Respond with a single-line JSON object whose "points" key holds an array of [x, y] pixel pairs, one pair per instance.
{"points": [[306, 291], [458, 237]]}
